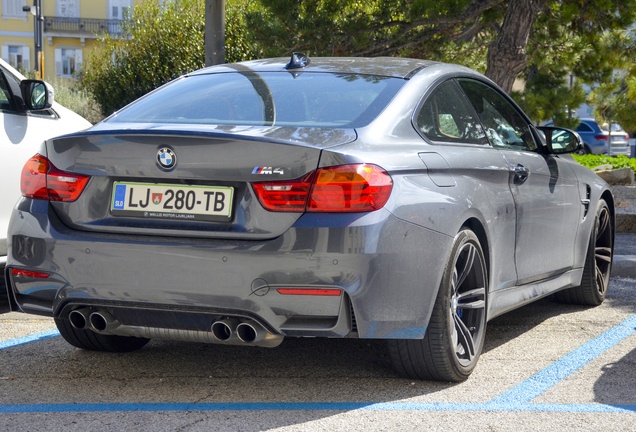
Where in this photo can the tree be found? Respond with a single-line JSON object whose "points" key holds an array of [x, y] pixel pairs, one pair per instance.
{"points": [[614, 92], [497, 36], [163, 42]]}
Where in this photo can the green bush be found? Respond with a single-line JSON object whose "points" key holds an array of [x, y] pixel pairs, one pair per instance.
{"points": [[616, 162], [78, 100], [164, 42]]}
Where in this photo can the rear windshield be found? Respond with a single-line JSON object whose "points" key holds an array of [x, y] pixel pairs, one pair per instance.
{"points": [[301, 99], [615, 127]]}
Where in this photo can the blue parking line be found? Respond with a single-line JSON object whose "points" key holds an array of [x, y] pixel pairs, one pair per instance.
{"points": [[28, 339], [316, 406], [566, 366]]}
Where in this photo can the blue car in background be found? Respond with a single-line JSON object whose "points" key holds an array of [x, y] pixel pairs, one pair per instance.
{"points": [[596, 138]]}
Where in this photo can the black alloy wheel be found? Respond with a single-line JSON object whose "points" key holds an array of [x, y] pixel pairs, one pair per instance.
{"points": [[598, 263], [468, 304]]}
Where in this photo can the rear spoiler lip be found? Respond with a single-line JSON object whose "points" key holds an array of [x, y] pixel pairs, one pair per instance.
{"points": [[248, 133]]}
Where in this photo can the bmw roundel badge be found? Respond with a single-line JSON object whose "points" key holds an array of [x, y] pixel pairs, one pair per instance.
{"points": [[167, 158]]}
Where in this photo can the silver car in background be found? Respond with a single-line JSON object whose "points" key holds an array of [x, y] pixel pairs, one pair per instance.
{"points": [[384, 198]]}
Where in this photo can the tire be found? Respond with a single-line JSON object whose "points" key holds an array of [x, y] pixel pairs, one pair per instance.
{"points": [[454, 338], [598, 263], [584, 150], [89, 340]]}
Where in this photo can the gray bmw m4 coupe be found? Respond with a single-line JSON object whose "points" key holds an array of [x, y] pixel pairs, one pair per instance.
{"points": [[379, 198]]}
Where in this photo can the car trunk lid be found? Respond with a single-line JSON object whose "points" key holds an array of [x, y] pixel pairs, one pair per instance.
{"points": [[208, 165]]}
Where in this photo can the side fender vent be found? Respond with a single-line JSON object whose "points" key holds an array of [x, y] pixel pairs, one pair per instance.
{"points": [[586, 201]]}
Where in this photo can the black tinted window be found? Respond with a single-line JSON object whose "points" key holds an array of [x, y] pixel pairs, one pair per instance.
{"points": [[446, 116], [582, 127], [505, 127], [272, 98]]}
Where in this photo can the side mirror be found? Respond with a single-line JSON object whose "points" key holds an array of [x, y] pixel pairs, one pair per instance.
{"points": [[561, 140], [37, 95]]}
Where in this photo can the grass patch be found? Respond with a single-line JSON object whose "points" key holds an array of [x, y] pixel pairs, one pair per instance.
{"points": [[616, 162]]}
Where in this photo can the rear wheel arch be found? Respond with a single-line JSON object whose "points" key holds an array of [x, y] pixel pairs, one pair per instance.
{"points": [[477, 227], [456, 330], [609, 199]]}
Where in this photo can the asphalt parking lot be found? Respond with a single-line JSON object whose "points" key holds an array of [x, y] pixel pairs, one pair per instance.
{"points": [[546, 366]]}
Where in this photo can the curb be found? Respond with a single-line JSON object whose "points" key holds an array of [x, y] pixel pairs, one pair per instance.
{"points": [[624, 266]]}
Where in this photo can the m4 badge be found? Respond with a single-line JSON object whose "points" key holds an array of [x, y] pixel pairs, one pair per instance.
{"points": [[268, 170]]}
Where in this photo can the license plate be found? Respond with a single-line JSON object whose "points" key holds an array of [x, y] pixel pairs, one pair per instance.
{"points": [[166, 201]]}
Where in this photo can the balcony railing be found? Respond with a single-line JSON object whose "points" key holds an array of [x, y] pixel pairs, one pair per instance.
{"points": [[82, 25]]}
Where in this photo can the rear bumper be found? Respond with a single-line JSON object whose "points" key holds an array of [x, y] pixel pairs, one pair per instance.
{"points": [[620, 148], [388, 272]]}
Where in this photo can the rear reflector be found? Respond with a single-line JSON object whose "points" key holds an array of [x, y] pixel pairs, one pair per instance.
{"points": [[29, 273], [343, 189], [317, 292], [41, 179]]}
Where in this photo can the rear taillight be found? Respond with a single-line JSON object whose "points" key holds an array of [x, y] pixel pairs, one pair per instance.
{"points": [[350, 188], [345, 189], [602, 137], [287, 196], [41, 179], [33, 180]]}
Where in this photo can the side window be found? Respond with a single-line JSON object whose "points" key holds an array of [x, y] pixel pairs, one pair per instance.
{"points": [[582, 127], [505, 127], [446, 116], [6, 100]]}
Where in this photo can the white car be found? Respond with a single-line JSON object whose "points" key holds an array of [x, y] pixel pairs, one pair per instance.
{"points": [[22, 132]]}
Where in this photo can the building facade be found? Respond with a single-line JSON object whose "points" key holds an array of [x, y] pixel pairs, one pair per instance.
{"points": [[71, 28]]}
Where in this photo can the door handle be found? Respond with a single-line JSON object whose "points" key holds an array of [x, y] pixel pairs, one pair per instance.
{"points": [[521, 173]]}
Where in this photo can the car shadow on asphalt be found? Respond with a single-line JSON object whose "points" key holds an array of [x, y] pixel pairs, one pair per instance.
{"points": [[513, 324], [617, 382], [621, 295]]}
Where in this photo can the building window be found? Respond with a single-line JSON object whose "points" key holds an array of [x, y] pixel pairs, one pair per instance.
{"points": [[17, 56], [67, 8], [118, 9], [13, 9], [68, 62]]}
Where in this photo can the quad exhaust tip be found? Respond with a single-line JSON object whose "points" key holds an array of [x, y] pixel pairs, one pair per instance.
{"points": [[102, 321], [225, 330], [250, 332], [79, 318]]}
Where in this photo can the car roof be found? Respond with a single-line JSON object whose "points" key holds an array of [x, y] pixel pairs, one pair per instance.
{"points": [[380, 66]]}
